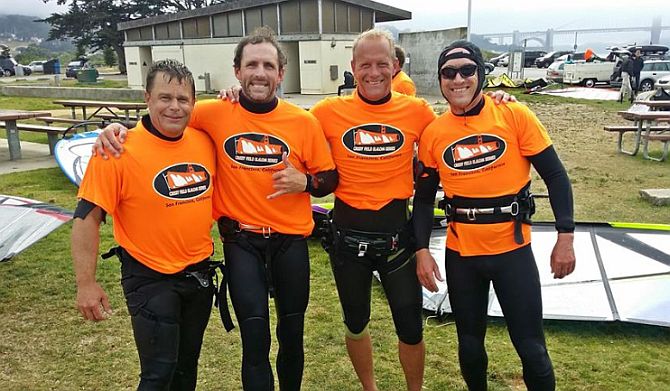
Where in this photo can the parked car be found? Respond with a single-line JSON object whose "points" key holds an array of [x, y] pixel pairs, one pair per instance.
{"points": [[530, 56], [663, 82], [37, 66], [652, 71], [579, 56], [9, 64], [555, 71], [496, 59], [549, 58], [488, 68], [74, 66], [504, 61]]}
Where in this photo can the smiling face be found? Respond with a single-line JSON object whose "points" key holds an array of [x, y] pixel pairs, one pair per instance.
{"points": [[259, 72], [372, 65], [460, 90], [170, 103]]}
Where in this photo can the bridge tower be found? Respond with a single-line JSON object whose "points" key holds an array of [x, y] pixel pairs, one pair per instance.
{"points": [[549, 40], [655, 30]]}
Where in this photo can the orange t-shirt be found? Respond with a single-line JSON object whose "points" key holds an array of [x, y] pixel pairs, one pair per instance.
{"points": [[484, 156], [249, 150], [159, 194], [403, 84], [373, 146]]}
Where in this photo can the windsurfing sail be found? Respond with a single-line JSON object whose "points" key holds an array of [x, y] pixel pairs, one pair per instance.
{"points": [[622, 272], [26, 221]]}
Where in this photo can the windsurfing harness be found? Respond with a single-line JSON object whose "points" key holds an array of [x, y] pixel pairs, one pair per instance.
{"points": [[202, 272], [517, 207], [233, 231]]}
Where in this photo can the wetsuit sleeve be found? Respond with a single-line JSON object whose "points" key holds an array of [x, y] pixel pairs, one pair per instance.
{"points": [[424, 202], [322, 183], [84, 207], [550, 168]]}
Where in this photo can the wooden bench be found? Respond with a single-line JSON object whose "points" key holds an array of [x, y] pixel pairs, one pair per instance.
{"points": [[52, 132], [662, 137], [623, 129], [108, 118]]}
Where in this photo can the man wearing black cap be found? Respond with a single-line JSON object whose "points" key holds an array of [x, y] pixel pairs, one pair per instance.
{"points": [[481, 153]]}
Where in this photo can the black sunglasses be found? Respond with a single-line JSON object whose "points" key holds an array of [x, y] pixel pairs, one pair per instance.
{"points": [[465, 71]]}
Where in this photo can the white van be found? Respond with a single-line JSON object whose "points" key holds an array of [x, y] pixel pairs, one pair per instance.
{"points": [[588, 73]]}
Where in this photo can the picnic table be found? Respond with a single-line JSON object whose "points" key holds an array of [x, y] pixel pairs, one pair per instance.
{"points": [[10, 117], [107, 106], [646, 131]]}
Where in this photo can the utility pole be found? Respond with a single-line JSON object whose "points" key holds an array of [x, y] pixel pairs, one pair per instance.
{"points": [[469, 15]]}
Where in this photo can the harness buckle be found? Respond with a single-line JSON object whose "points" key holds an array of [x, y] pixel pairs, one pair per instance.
{"points": [[362, 248], [267, 232], [395, 240], [514, 208], [471, 214]]}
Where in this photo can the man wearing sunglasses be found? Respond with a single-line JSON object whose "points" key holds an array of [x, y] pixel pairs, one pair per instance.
{"points": [[481, 153]]}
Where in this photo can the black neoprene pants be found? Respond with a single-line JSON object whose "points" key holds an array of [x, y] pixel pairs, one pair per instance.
{"points": [[249, 295], [169, 316], [517, 285]]}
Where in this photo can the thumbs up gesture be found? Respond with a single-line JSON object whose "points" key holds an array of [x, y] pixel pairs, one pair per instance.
{"points": [[289, 180]]}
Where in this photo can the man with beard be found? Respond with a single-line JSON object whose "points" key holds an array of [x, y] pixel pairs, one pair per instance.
{"points": [[271, 155], [482, 154]]}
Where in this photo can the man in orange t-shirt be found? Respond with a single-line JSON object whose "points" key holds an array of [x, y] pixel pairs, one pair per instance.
{"points": [[372, 136], [159, 194], [271, 156], [481, 153], [401, 83]]}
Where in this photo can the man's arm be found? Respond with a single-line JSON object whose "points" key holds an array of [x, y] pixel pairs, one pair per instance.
{"points": [[92, 301], [422, 222], [550, 168]]}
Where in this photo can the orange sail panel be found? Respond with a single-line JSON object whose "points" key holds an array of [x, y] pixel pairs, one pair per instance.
{"points": [[363, 137], [469, 151]]}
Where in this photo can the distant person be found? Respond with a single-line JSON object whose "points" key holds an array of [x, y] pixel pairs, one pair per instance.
{"points": [[401, 81], [349, 82], [159, 194], [638, 64], [626, 71]]}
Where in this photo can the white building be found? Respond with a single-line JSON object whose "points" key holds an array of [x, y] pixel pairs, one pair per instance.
{"points": [[316, 35]]}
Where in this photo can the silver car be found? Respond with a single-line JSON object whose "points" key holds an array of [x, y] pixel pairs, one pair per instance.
{"points": [[651, 72]]}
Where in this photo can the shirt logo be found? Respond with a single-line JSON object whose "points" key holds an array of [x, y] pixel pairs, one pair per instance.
{"points": [[182, 181], [255, 149], [373, 139], [474, 152]]}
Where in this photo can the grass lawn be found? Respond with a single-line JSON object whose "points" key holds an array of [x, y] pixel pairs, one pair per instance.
{"points": [[47, 346]]}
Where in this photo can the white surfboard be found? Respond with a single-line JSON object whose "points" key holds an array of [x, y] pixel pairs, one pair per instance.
{"points": [[73, 153]]}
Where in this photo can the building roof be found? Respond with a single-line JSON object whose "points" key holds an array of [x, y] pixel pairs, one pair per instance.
{"points": [[383, 12]]}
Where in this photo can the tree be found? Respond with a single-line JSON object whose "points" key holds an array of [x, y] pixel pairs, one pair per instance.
{"points": [[93, 23], [109, 56]]}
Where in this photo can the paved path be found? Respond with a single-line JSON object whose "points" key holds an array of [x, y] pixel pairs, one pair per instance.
{"points": [[34, 156]]}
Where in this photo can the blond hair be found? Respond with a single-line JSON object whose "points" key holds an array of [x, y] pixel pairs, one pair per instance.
{"points": [[376, 33]]}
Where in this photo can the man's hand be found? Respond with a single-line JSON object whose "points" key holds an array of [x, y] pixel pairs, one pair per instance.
{"points": [[232, 94], [108, 142], [427, 270], [288, 180], [501, 96], [92, 302], [563, 255]]}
